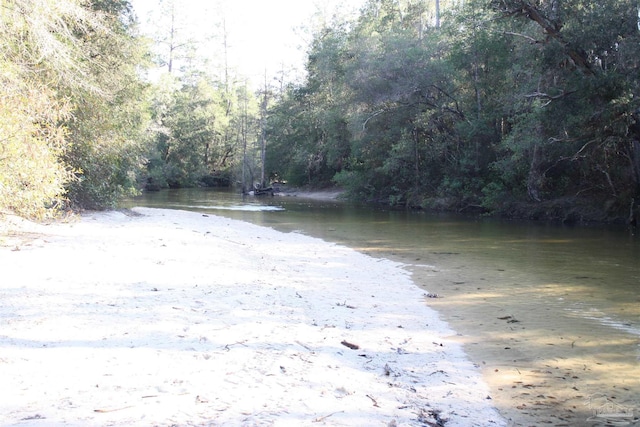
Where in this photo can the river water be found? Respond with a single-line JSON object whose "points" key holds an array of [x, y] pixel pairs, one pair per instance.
{"points": [[550, 314]]}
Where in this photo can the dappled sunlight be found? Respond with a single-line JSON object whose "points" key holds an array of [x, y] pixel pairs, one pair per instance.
{"points": [[562, 289], [541, 345], [555, 241], [547, 373], [479, 297], [538, 240]]}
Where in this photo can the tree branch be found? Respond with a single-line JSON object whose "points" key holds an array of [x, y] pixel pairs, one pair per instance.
{"points": [[377, 113], [548, 97], [531, 39], [552, 28]]}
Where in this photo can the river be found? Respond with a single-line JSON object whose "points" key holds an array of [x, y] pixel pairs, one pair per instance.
{"points": [[550, 314]]}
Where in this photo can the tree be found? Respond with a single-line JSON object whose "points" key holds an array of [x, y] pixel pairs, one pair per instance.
{"points": [[109, 117], [32, 176], [55, 56], [309, 137], [510, 106], [583, 95], [199, 125], [173, 41]]}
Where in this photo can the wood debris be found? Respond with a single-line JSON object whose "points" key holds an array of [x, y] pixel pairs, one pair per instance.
{"points": [[352, 346]]}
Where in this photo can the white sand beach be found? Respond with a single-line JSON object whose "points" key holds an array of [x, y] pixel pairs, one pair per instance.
{"points": [[160, 317]]}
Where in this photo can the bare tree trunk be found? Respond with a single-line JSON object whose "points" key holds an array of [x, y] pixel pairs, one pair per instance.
{"points": [[535, 178], [244, 141], [172, 34], [416, 157], [226, 67], [635, 158], [263, 133]]}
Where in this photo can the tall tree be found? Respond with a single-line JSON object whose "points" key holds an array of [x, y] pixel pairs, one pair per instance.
{"points": [[199, 126], [515, 106], [109, 118], [584, 97], [173, 39]]}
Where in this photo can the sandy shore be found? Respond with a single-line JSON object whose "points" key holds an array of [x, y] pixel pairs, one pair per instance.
{"points": [[327, 194], [164, 317]]}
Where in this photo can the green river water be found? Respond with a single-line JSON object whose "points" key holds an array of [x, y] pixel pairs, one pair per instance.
{"points": [[550, 314]]}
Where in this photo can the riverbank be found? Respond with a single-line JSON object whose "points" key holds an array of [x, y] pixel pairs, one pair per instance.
{"points": [[160, 317], [558, 211]]}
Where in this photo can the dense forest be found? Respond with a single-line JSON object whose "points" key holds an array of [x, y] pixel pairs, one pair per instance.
{"points": [[527, 108], [72, 115], [524, 108]]}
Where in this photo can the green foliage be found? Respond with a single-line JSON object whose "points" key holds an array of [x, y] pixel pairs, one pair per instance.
{"points": [[495, 104], [32, 177], [109, 117], [199, 126], [71, 113], [508, 102], [309, 135]]}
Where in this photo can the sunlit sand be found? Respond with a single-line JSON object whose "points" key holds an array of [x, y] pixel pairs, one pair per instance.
{"points": [[160, 317]]}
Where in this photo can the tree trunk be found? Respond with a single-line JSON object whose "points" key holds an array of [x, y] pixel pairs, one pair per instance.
{"points": [[535, 178], [635, 155], [263, 133], [416, 157], [635, 158]]}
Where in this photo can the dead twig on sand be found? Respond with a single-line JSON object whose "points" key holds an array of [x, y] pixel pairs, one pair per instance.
{"points": [[375, 402], [304, 345], [242, 343], [344, 304], [350, 345], [320, 419], [105, 411]]}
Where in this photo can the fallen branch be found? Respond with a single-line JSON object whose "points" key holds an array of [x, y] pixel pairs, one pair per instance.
{"points": [[344, 304], [375, 402], [227, 346], [304, 345], [350, 345], [320, 419]]}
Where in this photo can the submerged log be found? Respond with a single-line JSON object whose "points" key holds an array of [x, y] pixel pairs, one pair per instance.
{"points": [[263, 191]]}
